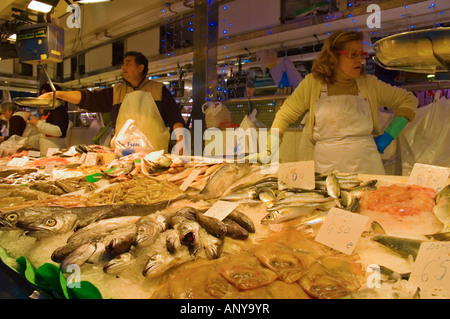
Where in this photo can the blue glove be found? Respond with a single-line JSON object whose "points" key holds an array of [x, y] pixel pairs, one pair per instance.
{"points": [[383, 141]]}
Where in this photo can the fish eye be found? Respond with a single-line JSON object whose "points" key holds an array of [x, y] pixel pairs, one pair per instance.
{"points": [[50, 222], [12, 217]]}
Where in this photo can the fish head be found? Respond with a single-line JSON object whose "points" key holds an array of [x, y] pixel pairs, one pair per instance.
{"points": [[47, 224], [8, 220], [269, 218]]}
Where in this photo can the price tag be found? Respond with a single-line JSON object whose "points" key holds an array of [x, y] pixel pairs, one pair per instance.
{"points": [[431, 270], [190, 179], [341, 230], [91, 159], [429, 176], [48, 170], [52, 150], [221, 209], [18, 161], [34, 154], [298, 174], [82, 157]]}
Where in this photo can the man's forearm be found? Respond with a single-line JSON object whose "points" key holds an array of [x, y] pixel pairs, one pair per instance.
{"points": [[73, 97]]}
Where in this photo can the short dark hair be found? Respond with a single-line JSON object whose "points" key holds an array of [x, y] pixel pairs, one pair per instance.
{"points": [[47, 88], [139, 58]]}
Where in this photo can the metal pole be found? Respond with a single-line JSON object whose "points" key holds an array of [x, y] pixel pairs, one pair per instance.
{"points": [[204, 86]]}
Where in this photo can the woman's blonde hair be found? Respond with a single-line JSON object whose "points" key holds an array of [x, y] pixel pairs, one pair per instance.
{"points": [[325, 64]]}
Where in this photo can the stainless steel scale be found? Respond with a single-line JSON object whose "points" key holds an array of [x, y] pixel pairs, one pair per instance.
{"points": [[424, 51], [40, 44]]}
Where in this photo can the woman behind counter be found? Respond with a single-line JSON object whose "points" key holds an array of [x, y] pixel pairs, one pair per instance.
{"points": [[53, 125], [343, 109]]}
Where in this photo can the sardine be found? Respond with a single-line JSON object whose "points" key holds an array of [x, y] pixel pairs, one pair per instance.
{"points": [[267, 196], [349, 201], [332, 185], [443, 193], [287, 213], [364, 187], [403, 246]]}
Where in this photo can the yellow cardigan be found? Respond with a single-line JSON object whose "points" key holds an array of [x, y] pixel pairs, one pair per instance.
{"points": [[377, 92]]}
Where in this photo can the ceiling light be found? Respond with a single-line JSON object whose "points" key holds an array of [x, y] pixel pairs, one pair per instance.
{"points": [[91, 1], [44, 6], [12, 37]]}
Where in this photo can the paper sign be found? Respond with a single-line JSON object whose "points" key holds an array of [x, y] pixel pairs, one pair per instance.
{"points": [[429, 176], [221, 209], [48, 170], [431, 270], [341, 230], [18, 161], [190, 179], [52, 150], [298, 174], [82, 157], [91, 159], [34, 153]]}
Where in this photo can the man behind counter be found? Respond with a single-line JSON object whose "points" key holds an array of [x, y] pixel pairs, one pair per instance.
{"points": [[134, 73]]}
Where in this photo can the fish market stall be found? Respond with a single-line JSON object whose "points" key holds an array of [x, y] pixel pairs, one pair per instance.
{"points": [[83, 224]]}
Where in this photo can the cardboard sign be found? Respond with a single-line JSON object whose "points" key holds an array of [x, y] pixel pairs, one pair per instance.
{"points": [[341, 230], [429, 176], [221, 209], [34, 154], [91, 159], [431, 269], [188, 181], [298, 174], [48, 170]]}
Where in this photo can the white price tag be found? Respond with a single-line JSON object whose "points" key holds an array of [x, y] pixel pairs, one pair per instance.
{"points": [[429, 176], [190, 179], [221, 209], [91, 159], [298, 174], [341, 230], [52, 150], [48, 170], [431, 269], [34, 154], [82, 157], [18, 161]]}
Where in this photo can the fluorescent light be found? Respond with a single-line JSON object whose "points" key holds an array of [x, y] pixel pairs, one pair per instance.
{"points": [[431, 76], [40, 6], [91, 1]]}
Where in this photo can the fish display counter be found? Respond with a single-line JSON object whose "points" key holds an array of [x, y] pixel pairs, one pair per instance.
{"points": [[83, 224]]}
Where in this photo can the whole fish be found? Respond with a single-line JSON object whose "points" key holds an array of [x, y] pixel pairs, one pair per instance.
{"points": [[118, 264], [242, 220], [442, 212], [403, 246], [358, 191], [349, 201], [267, 196], [50, 220], [234, 230], [333, 187], [287, 213], [149, 227], [173, 242], [443, 193], [212, 245], [223, 178]]}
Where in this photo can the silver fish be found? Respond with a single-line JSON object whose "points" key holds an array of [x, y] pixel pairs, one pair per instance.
{"points": [[223, 178], [443, 193], [358, 191], [173, 242], [149, 227], [349, 201], [158, 263], [189, 232], [267, 196], [333, 187], [287, 213], [118, 264], [442, 212], [79, 256], [403, 246]]}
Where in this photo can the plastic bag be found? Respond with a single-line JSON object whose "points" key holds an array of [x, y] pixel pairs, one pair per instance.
{"points": [[141, 107], [425, 140], [215, 114], [131, 140], [12, 145]]}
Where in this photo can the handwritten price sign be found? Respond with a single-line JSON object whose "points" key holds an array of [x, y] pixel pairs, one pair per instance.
{"points": [[298, 174], [429, 176], [341, 230], [431, 270]]}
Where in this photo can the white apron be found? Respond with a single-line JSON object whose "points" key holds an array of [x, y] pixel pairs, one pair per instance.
{"points": [[343, 134], [141, 107]]}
